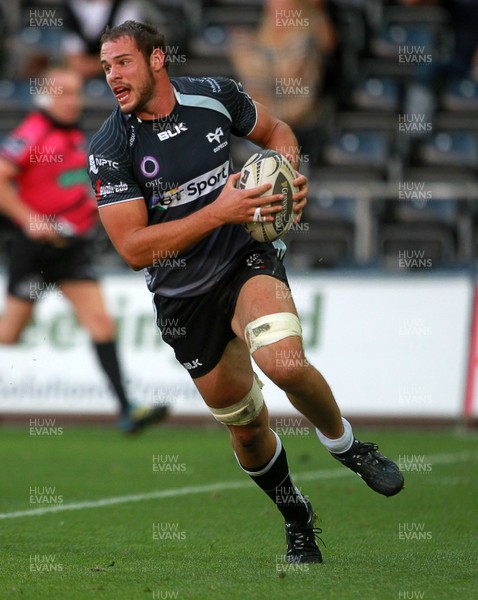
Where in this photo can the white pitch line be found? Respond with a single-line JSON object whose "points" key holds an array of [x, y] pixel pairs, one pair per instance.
{"points": [[170, 493], [211, 487]]}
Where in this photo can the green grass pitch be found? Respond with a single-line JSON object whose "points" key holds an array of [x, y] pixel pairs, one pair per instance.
{"points": [[169, 514]]}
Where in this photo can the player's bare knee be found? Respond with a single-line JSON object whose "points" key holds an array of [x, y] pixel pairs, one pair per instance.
{"points": [[249, 436], [291, 379]]}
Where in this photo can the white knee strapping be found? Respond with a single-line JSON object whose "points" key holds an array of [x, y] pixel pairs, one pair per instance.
{"points": [[271, 328], [244, 411]]}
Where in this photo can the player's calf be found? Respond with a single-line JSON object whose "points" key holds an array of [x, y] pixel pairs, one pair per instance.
{"points": [[256, 444]]}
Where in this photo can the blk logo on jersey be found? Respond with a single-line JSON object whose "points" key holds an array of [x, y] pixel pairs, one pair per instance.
{"points": [[173, 132], [192, 365]]}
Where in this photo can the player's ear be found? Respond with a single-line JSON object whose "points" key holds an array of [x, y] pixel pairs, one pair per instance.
{"points": [[156, 59]]}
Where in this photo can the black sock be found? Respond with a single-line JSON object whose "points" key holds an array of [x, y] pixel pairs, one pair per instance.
{"points": [[108, 357], [274, 478]]}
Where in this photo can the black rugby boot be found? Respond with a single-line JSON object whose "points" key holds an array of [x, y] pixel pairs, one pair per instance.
{"points": [[301, 543], [379, 472]]}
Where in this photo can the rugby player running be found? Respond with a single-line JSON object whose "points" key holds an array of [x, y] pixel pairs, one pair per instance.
{"points": [[160, 166]]}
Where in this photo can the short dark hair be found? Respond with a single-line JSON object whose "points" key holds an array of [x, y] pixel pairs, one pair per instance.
{"points": [[147, 37]]}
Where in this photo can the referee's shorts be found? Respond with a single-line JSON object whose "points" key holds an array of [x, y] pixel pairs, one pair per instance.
{"points": [[32, 265]]}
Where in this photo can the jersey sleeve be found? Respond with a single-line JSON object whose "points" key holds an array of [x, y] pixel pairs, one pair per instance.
{"points": [[239, 105], [109, 165], [16, 147]]}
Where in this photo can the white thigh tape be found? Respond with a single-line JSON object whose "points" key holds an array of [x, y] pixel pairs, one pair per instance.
{"points": [[244, 411], [271, 328]]}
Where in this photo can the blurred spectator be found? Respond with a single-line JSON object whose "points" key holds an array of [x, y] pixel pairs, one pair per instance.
{"points": [[3, 38], [45, 192], [85, 21], [35, 30], [464, 26], [282, 64], [464, 23], [432, 78], [53, 31]]}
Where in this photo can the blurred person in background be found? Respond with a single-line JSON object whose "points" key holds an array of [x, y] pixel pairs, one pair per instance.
{"points": [[85, 21], [42, 32], [45, 192], [430, 79], [464, 25], [282, 64]]}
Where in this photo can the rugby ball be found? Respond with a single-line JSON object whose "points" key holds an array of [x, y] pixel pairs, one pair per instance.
{"points": [[268, 166]]}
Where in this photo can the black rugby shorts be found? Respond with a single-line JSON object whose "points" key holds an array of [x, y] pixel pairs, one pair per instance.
{"points": [[33, 265], [199, 328]]}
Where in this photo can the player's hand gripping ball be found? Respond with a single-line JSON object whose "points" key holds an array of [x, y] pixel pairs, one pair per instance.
{"points": [[268, 166]]}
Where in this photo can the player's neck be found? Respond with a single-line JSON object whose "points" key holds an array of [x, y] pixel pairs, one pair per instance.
{"points": [[163, 102]]}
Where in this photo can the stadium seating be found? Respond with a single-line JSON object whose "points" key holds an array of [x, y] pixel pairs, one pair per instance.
{"points": [[355, 214], [357, 151], [421, 227], [454, 153], [460, 95], [377, 94], [325, 237]]}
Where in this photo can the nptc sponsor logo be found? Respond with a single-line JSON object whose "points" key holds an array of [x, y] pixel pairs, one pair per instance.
{"points": [[99, 161]]}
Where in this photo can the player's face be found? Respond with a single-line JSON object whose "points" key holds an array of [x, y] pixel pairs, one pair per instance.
{"points": [[128, 75], [66, 97]]}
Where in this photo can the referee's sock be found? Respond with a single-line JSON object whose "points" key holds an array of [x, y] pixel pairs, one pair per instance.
{"points": [[274, 478], [108, 357]]}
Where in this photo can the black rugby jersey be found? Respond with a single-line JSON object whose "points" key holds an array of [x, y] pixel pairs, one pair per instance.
{"points": [[178, 164]]}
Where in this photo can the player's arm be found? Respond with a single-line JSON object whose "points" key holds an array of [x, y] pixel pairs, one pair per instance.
{"points": [[126, 223], [13, 207], [273, 134], [10, 203]]}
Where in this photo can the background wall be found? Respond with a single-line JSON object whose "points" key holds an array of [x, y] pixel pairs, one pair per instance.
{"points": [[391, 346]]}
